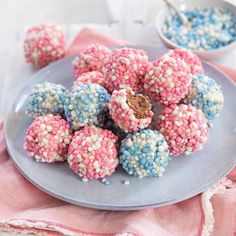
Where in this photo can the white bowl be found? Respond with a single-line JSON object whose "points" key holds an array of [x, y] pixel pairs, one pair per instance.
{"points": [[188, 5]]}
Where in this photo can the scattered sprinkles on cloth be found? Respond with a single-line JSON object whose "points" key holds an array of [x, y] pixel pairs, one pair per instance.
{"points": [[144, 153], [184, 127], [46, 98], [211, 28], [44, 44], [93, 153], [48, 138]]}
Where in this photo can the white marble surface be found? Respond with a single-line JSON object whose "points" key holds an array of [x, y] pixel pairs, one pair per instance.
{"points": [[121, 19]]}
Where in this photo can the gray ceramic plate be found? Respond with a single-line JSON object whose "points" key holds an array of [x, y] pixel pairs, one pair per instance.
{"points": [[184, 178]]}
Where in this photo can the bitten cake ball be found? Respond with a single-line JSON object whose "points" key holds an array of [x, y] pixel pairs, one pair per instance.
{"points": [[86, 104], [46, 98], [47, 139], [191, 59], [93, 153], [184, 127], [130, 112], [144, 153], [44, 44], [125, 68], [168, 80], [94, 77], [206, 95], [90, 59]]}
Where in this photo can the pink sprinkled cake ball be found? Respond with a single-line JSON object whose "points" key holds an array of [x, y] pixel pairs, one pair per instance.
{"points": [[168, 80], [47, 139], [94, 77], [44, 44], [184, 127], [125, 68], [129, 111], [191, 59], [90, 59], [93, 153]]}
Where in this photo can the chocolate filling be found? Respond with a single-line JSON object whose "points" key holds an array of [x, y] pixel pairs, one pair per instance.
{"points": [[139, 104]]}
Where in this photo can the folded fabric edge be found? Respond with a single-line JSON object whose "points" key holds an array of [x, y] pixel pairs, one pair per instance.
{"points": [[207, 207], [48, 228]]}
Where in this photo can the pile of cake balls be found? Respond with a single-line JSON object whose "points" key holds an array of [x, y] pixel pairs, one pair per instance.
{"points": [[123, 109]]}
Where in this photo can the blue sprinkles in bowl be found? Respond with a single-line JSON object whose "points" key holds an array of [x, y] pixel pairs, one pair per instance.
{"points": [[206, 95], [210, 28], [144, 153]]}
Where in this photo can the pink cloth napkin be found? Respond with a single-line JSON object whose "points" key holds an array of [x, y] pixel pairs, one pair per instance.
{"points": [[24, 208]]}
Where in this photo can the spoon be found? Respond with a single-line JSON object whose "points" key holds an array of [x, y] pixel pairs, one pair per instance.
{"points": [[182, 17]]}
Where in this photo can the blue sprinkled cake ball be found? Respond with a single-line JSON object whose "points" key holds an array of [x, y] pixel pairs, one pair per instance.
{"points": [[46, 98], [86, 104], [206, 95], [144, 153]]}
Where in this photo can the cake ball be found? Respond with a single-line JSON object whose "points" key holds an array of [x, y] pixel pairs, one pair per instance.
{"points": [[168, 80], [206, 95], [93, 153], [191, 59], [130, 111], [47, 139], [86, 104], [46, 98], [94, 77], [144, 153], [125, 68], [184, 128], [90, 59], [44, 44]]}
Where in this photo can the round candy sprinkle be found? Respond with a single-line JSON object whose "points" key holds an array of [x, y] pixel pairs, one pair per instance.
{"points": [[168, 80], [46, 98], [47, 139], [206, 95], [210, 28], [144, 153], [93, 153], [130, 112], [184, 127], [125, 68], [94, 77], [191, 59], [90, 59], [44, 44], [86, 104]]}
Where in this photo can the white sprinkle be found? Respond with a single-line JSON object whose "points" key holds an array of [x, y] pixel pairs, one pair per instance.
{"points": [[84, 179], [126, 182]]}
